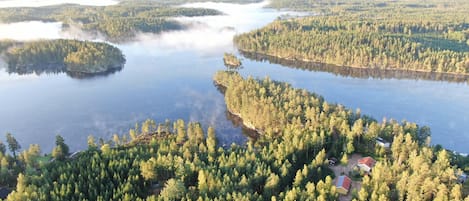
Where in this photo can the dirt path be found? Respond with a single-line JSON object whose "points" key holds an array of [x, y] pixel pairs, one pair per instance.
{"points": [[344, 170]]}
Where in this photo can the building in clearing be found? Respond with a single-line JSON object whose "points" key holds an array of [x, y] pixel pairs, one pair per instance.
{"points": [[383, 143], [462, 178], [343, 184], [366, 164]]}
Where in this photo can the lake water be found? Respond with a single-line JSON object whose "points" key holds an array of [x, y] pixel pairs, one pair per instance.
{"points": [[170, 76]]}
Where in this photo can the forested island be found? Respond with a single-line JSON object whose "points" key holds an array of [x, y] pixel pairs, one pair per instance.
{"points": [[55, 56], [116, 23], [300, 133], [231, 60], [432, 37]]}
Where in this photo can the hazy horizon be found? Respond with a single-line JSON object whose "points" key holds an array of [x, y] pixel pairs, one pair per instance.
{"points": [[39, 3]]}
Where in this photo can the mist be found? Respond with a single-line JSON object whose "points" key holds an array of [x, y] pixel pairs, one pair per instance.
{"points": [[21, 31], [39, 3], [207, 35], [31, 30]]}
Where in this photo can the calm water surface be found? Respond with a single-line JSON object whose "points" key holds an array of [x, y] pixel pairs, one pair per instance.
{"points": [[170, 76]]}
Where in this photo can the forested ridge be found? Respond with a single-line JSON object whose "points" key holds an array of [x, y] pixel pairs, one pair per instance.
{"points": [[170, 161], [299, 123], [61, 56], [401, 36], [182, 161]]}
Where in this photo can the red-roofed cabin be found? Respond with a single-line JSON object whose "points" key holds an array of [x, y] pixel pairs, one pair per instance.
{"points": [[366, 164], [343, 184]]}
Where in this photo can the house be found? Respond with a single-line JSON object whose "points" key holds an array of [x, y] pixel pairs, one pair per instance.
{"points": [[462, 178], [332, 161], [343, 184], [4, 193], [74, 154], [381, 142], [366, 164]]}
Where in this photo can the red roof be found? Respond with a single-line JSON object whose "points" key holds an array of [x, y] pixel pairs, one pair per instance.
{"points": [[344, 182], [370, 162]]}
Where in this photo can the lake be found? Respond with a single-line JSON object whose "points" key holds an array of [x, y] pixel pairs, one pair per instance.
{"points": [[170, 76]]}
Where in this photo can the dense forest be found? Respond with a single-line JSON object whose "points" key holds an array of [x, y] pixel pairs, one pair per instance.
{"points": [[116, 23], [384, 37], [71, 56], [152, 164], [181, 161], [296, 122], [396, 8]]}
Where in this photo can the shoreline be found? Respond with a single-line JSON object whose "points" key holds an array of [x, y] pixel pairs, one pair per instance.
{"points": [[249, 125], [452, 74], [244, 122]]}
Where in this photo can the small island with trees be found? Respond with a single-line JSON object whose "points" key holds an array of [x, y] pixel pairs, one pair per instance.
{"points": [[71, 56], [231, 60]]}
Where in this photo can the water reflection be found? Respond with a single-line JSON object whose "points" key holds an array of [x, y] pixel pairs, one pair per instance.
{"points": [[57, 69], [357, 72], [237, 121]]}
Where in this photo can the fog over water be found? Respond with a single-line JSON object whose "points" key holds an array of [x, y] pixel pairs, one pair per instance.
{"points": [[208, 35], [37, 30], [31, 30], [169, 75]]}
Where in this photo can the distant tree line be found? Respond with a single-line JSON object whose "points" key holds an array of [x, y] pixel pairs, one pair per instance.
{"points": [[411, 35], [381, 44], [116, 23]]}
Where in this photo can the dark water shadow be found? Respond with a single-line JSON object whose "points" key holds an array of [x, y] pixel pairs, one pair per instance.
{"points": [[237, 122], [251, 134], [357, 72], [56, 69]]}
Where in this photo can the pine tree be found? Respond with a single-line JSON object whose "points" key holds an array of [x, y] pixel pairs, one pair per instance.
{"points": [[173, 190], [13, 145], [2, 148]]}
